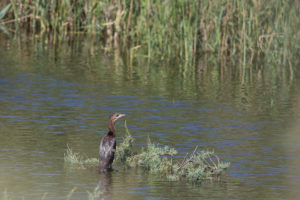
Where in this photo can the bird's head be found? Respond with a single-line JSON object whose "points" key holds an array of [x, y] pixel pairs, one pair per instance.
{"points": [[114, 117]]}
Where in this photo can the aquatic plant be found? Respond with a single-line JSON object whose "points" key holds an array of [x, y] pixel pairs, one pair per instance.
{"points": [[124, 150], [244, 31], [199, 165], [196, 166], [75, 160]]}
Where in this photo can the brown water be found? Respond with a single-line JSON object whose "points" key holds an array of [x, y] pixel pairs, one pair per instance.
{"points": [[54, 96]]}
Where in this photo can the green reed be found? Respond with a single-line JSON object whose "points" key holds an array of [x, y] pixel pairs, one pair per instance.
{"points": [[178, 30]]}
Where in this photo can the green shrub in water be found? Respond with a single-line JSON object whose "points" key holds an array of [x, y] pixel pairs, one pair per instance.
{"points": [[196, 166]]}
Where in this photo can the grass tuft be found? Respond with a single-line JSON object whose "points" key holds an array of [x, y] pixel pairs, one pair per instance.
{"points": [[75, 160]]}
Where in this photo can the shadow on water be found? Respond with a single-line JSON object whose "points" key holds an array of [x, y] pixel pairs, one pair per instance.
{"points": [[51, 96]]}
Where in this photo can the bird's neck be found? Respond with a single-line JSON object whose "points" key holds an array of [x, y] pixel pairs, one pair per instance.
{"points": [[111, 128]]}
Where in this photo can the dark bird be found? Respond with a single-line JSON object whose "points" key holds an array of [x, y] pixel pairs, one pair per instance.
{"points": [[108, 144]]}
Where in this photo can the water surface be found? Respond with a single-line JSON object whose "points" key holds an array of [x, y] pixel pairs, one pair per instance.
{"points": [[49, 99]]}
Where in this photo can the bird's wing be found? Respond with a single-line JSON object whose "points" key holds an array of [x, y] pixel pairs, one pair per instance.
{"points": [[107, 147]]}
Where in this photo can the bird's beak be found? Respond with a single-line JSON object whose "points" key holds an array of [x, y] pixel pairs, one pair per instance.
{"points": [[121, 115]]}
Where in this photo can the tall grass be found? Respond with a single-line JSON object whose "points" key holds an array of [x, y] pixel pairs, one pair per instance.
{"points": [[184, 31]]}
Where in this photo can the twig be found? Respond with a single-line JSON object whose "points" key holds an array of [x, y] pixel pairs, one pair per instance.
{"points": [[185, 156], [212, 161], [207, 163], [185, 162], [218, 159]]}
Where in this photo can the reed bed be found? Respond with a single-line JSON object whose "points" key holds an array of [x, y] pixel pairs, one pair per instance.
{"points": [[184, 31]]}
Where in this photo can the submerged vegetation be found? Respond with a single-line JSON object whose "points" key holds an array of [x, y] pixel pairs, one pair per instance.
{"points": [[196, 166], [92, 195], [184, 31]]}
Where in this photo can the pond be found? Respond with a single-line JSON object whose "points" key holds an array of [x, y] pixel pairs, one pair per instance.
{"points": [[51, 97]]}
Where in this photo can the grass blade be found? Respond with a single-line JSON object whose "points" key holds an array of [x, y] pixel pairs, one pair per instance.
{"points": [[4, 11]]}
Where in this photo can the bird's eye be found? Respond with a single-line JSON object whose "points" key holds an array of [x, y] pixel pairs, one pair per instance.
{"points": [[117, 115]]}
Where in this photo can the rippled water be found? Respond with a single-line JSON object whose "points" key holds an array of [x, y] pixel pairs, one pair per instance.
{"points": [[46, 104]]}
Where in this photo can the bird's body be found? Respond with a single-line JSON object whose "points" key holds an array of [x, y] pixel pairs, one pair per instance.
{"points": [[108, 144], [107, 152]]}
